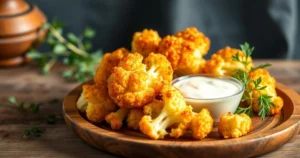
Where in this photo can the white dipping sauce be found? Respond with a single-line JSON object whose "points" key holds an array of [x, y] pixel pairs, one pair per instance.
{"points": [[219, 95], [206, 88]]}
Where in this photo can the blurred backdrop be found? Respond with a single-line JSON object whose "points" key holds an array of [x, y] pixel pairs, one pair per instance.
{"points": [[272, 26]]}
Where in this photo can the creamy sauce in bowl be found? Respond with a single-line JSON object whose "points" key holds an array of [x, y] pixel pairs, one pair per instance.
{"points": [[199, 87], [219, 94]]}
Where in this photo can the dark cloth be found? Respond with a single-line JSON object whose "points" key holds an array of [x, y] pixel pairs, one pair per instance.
{"points": [[272, 26]]}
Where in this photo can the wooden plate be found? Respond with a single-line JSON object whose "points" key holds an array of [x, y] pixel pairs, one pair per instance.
{"points": [[266, 136]]}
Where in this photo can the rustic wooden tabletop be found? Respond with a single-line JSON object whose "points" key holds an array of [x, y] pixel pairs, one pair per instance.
{"points": [[27, 85]]}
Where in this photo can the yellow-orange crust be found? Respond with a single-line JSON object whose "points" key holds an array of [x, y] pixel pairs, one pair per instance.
{"points": [[183, 55], [201, 124], [108, 61], [145, 42], [221, 62], [99, 102], [234, 125], [133, 84]]}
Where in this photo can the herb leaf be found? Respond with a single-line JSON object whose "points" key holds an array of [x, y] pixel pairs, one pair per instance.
{"points": [[248, 110], [264, 101], [34, 107], [72, 51], [51, 119], [12, 100], [262, 66], [89, 33], [33, 131]]}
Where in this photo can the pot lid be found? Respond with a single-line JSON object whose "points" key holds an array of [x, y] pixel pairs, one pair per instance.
{"points": [[12, 7], [20, 17]]}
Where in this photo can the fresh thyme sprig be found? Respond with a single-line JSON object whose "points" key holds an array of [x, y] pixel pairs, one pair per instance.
{"points": [[51, 118], [264, 101], [33, 131], [33, 107], [72, 51]]}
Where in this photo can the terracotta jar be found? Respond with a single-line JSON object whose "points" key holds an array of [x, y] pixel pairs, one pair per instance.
{"points": [[20, 25]]}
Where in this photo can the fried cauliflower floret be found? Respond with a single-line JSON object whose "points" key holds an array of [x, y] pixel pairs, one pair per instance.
{"points": [[133, 118], [268, 81], [133, 84], [184, 56], [221, 63], [201, 124], [81, 103], [175, 113], [234, 125], [115, 119], [198, 38], [145, 42], [154, 108], [109, 61], [97, 101]]}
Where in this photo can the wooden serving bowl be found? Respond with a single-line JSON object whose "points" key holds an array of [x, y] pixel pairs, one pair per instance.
{"points": [[20, 27], [267, 135]]}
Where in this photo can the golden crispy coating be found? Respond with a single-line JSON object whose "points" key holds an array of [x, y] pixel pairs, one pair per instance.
{"points": [[198, 38], [133, 118], [109, 61], [133, 84], [145, 42], [234, 125], [269, 81], [115, 119], [99, 103], [202, 124], [221, 63], [159, 69], [175, 114], [184, 56]]}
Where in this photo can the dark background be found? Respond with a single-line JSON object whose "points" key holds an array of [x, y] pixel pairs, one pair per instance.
{"points": [[272, 26]]}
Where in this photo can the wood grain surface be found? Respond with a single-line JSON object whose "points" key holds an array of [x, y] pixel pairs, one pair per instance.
{"points": [[58, 140]]}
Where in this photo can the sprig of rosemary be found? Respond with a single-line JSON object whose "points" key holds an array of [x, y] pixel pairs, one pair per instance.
{"points": [[264, 101], [72, 51]]}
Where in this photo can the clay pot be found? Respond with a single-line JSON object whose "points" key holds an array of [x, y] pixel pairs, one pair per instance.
{"points": [[20, 27]]}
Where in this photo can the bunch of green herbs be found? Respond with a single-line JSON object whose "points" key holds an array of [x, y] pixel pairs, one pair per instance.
{"points": [[264, 100], [73, 51]]}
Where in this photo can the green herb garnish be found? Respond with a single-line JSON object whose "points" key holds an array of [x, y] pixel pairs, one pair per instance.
{"points": [[51, 119], [33, 107], [33, 131], [74, 51], [264, 101]]}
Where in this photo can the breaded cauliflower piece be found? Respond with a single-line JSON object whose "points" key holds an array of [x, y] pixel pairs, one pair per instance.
{"points": [[201, 124], [193, 35], [97, 101], [269, 81], [145, 42], [154, 108], [115, 119], [133, 118], [234, 125], [109, 61], [175, 113], [221, 63], [184, 56], [81, 103], [159, 69], [133, 84]]}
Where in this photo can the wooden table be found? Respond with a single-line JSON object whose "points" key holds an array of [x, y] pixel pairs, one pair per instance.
{"points": [[26, 84]]}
